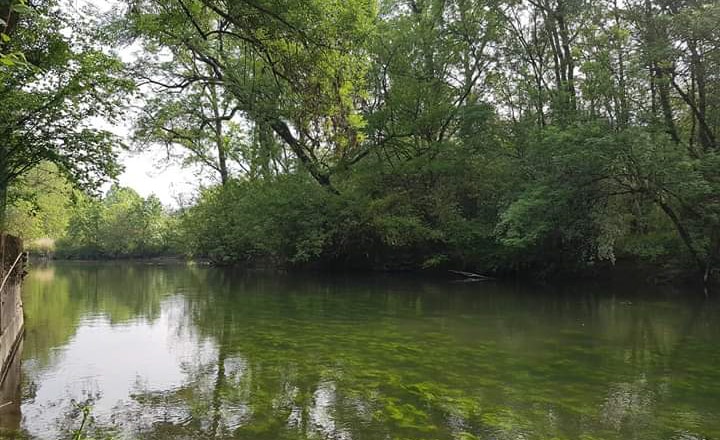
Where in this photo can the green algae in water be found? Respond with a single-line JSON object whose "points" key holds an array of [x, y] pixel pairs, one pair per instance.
{"points": [[191, 352]]}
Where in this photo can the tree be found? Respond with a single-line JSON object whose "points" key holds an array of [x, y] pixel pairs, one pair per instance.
{"points": [[430, 63], [120, 225], [298, 68], [10, 11], [197, 116], [40, 204], [50, 104], [492, 135]]}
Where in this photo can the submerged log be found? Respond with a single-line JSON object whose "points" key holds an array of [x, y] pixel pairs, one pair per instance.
{"points": [[471, 276]]}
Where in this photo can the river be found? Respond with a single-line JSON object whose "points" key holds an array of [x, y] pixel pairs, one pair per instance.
{"points": [[176, 351]]}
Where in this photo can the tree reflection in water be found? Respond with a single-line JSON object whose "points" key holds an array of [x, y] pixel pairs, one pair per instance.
{"points": [[10, 395], [192, 352]]}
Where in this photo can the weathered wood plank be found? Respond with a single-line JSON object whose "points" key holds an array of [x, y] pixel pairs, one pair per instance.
{"points": [[11, 311]]}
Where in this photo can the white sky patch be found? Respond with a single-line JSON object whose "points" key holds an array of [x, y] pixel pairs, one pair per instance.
{"points": [[146, 173]]}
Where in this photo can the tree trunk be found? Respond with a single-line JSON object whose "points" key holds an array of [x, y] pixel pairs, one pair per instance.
{"points": [[623, 112], [3, 205], [662, 82], [684, 235], [222, 156], [4, 186], [568, 60], [219, 141], [656, 41], [713, 254], [697, 69], [10, 19], [282, 130]]}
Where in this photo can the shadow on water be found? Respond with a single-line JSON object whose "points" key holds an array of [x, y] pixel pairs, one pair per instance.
{"points": [[196, 352], [10, 396]]}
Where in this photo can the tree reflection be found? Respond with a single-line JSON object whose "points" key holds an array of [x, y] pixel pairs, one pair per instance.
{"points": [[285, 357], [10, 396]]}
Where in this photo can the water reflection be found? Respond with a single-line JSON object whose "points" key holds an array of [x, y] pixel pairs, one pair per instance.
{"points": [[192, 352], [10, 395]]}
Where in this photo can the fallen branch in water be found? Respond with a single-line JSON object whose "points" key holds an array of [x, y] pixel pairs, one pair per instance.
{"points": [[472, 276]]}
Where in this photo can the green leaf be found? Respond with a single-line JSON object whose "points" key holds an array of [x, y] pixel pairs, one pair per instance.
{"points": [[21, 8]]}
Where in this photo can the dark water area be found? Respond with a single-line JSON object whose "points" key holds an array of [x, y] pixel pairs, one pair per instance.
{"points": [[177, 351]]}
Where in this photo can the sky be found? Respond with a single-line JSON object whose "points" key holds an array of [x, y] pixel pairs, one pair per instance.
{"points": [[147, 173]]}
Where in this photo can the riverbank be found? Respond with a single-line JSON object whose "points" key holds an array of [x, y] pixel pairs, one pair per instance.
{"points": [[622, 272]]}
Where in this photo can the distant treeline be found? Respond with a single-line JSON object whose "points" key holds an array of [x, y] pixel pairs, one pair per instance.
{"points": [[60, 222], [290, 221]]}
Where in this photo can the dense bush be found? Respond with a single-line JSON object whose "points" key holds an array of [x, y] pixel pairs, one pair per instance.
{"points": [[278, 221], [568, 203]]}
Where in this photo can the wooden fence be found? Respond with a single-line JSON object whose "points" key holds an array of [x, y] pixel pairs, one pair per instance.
{"points": [[12, 269]]}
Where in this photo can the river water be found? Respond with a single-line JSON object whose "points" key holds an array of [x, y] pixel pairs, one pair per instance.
{"points": [[161, 352]]}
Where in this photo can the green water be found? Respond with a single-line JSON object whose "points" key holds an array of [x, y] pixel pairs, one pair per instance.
{"points": [[190, 352]]}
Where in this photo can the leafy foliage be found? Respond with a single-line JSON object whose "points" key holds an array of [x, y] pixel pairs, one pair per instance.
{"points": [[285, 220], [120, 225], [40, 204], [539, 136], [49, 104]]}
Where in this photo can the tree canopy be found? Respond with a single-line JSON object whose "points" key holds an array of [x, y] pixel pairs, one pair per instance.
{"points": [[495, 135], [50, 102]]}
